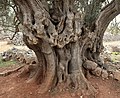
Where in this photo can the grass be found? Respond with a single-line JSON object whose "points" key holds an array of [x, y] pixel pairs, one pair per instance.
{"points": [[6, 63]]}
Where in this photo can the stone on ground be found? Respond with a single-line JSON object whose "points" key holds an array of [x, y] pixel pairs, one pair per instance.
{"points": [[90, 65]]}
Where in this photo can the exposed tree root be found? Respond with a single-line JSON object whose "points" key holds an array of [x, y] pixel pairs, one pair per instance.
{"points": [[8, 72], [79, 82]]}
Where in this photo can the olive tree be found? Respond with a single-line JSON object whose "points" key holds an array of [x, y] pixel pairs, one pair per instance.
{"points": [[67, 38]]}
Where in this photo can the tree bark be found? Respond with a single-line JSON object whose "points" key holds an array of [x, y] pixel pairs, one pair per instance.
{"points": [[61, 41]]}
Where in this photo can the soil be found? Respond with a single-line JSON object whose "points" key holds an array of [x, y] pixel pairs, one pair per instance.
{"points": [[13, 86]]}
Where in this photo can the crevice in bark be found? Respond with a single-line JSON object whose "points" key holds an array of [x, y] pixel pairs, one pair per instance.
{"points": [[62, 25], [33, 19]]}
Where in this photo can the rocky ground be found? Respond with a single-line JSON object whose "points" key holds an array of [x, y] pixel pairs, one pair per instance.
{"points": [[111, 37], [16, 40]]}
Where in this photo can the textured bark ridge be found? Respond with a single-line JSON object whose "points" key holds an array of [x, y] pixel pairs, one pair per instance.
{"points": [[62, 42]]}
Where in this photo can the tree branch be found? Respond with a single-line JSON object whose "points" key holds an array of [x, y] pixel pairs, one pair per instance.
{"points": [[109, 12]]}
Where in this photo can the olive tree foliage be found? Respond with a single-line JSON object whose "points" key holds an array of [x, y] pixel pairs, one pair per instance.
{"points": [[6, 16], [8, 19], [114, 26], [65, 35]]}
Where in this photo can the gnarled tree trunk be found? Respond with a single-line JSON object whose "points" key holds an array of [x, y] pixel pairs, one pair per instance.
{"points": [[62, 41]]}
